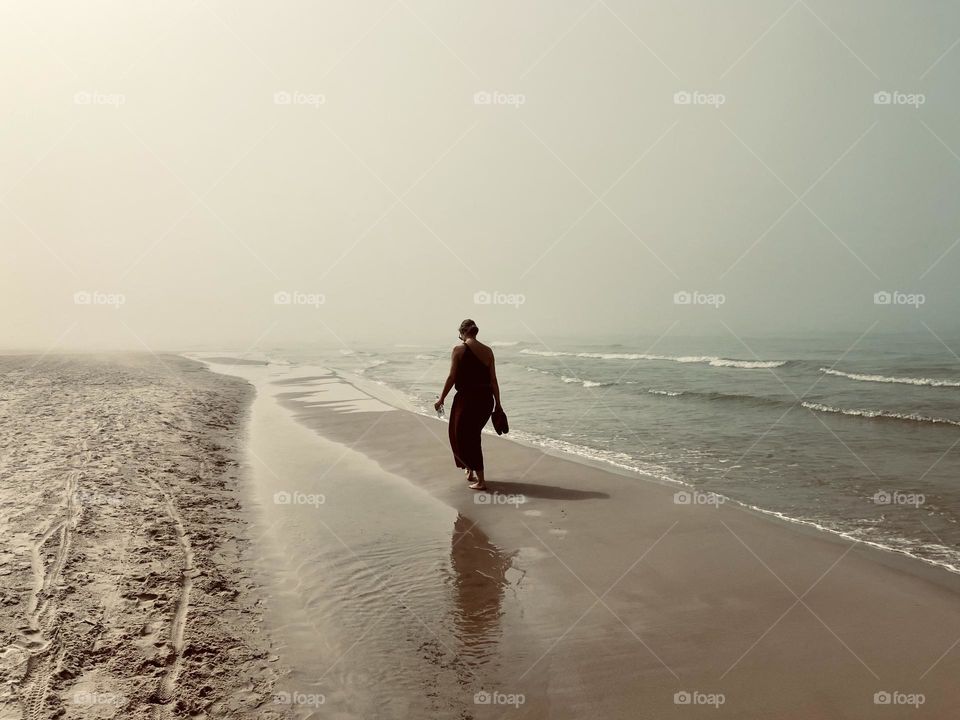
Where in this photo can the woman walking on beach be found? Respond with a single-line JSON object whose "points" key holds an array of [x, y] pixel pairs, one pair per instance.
{"points": [[474, 375]]}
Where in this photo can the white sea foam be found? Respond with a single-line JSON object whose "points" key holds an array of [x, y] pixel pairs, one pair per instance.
{"points": [[931, 382], [704, 359], [504, 343], [584, 383], [373, 364], [619, 460], [747, 364], [909, 417], [668, 393], [946, 557]]}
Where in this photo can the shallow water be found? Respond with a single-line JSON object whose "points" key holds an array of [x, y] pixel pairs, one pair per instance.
{"points": [[386, 602], [856, 435]]}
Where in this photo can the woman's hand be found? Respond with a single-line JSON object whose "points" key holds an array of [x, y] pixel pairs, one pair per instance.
{"points": [[438, 405]]}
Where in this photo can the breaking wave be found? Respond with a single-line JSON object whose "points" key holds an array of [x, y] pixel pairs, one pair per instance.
{"points": [[885, 414], [711, 360], [931, 382]]}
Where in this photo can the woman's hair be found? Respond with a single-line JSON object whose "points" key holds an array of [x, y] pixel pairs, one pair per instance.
{"points": [[469, 328]]}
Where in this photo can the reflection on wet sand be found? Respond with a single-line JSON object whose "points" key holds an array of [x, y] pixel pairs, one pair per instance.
{"points": [[480, 578]]}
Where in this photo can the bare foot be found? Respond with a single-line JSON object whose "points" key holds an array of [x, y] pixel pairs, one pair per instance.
{"points": [[478, 485]]}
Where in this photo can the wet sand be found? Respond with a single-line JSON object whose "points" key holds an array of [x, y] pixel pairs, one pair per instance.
{"points": [[384, 601], [599, 595], [125, 586]]}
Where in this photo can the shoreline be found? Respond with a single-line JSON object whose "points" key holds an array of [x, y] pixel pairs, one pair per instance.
{"points": [[394, 398], [763, 601], [895, 555]]}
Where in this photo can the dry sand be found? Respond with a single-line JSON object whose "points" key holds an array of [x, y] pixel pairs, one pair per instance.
{"points": [[124, 591]]}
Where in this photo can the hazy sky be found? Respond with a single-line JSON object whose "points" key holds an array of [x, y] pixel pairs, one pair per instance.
{"points": [[181, 163]]}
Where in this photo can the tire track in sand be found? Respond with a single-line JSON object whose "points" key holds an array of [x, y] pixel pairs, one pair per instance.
{"points": [[166, 688], [44, 650]]}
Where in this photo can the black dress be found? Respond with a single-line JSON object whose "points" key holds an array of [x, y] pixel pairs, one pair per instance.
{"points": [[472, 406]]}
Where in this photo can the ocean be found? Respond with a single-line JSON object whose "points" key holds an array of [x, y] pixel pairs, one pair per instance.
{"points": [[854, 436]]}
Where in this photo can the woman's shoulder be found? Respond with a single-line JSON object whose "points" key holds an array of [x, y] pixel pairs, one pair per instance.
{"points": [[485, 352]]}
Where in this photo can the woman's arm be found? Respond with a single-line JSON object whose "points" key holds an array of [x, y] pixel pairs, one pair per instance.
{"points": [[451, 377], [493, 381]]}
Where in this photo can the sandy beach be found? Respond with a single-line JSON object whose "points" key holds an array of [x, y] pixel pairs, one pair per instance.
{"points": [[124, 589], [272, 541]]}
